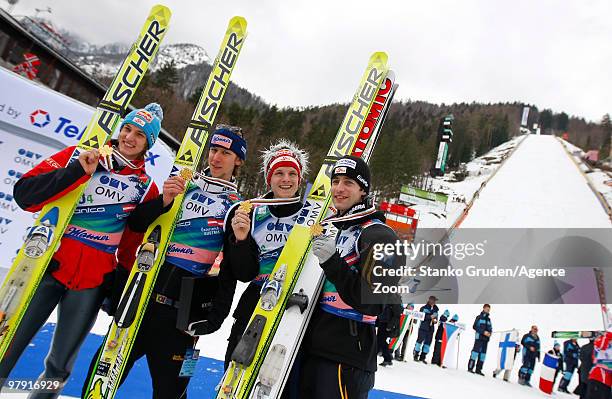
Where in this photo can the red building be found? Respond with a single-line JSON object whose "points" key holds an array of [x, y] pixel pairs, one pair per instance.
{"points": [[401, 218]]}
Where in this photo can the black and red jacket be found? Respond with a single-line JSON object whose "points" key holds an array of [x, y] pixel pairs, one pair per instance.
{"points": [[76, 265]]}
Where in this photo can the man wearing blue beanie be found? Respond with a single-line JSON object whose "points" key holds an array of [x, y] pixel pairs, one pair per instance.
{"points": [[230, 138], [147, 119]]}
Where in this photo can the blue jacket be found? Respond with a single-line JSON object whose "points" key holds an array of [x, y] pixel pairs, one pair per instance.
{"points": [[482, 324], [531, 341], [571, 352], [431, 312]]}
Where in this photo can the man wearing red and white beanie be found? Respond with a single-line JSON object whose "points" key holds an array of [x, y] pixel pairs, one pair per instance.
{"points": [[257, 237]]}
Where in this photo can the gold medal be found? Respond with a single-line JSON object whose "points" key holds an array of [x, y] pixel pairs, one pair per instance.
{"points": [[106, 151], [186, 174], [316, 230], [245, 206]]}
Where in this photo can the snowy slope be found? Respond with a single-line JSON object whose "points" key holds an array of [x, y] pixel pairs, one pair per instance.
{"points": [[538, 187]]}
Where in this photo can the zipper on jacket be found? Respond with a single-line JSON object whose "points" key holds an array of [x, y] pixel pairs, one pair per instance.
{"points": [[353, 331]]}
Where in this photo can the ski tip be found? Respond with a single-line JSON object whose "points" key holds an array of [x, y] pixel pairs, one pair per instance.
{"points": [[51, 216], [238, 23], [161, 13], [379, 57]]}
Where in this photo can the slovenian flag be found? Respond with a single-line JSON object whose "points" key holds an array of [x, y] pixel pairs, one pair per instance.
{"points": [[448, 350], [507, 344], [547, 374]]}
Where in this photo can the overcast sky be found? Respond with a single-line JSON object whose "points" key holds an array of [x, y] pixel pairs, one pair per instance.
{"points": [[553, 54]]}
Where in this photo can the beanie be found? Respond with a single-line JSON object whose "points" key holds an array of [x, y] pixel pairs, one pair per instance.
{"points": [[284, 153], [148, 119], [354, 168], [228, 137]]}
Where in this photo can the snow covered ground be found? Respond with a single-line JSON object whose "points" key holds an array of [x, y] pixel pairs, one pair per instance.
{"points": [[538, 186], [601, 180]]}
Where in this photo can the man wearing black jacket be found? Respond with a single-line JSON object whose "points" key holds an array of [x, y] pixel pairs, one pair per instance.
{"points": [[257, 235], [571, 353], [339, 348]]}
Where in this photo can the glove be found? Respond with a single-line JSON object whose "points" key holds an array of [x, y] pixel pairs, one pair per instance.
{"points": [[324, 247], [115, 284], [202, 327]]}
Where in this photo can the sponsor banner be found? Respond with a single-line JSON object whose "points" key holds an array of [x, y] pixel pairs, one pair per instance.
{"points": [[19, 156], [427, 195], [416, 196], [36, 122], [415, 314], [525, 116]]}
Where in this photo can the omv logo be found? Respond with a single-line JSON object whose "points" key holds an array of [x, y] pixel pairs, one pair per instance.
{"points": [[40, 118]]}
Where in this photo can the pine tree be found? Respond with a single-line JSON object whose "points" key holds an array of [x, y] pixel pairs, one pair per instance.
{"points": [[546, 119], [561, 121], [166, 77]]}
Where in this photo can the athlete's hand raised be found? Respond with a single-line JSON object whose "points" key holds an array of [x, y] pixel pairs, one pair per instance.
{"points": [[241, 224], [172, 187], [89, 161]]}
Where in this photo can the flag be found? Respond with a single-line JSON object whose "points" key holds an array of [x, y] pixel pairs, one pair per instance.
{"points": [[405, 322], [507, 344], [29, 66], [547, 373], [448, 350]]}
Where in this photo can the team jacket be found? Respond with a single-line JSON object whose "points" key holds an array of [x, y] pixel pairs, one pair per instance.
{"points": [[530, 341], [107, 224], [341, 339], [194, 247], [254, 258], [346, 245], [482, 323], [602, 356], [431, 312], [571, 352]]}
